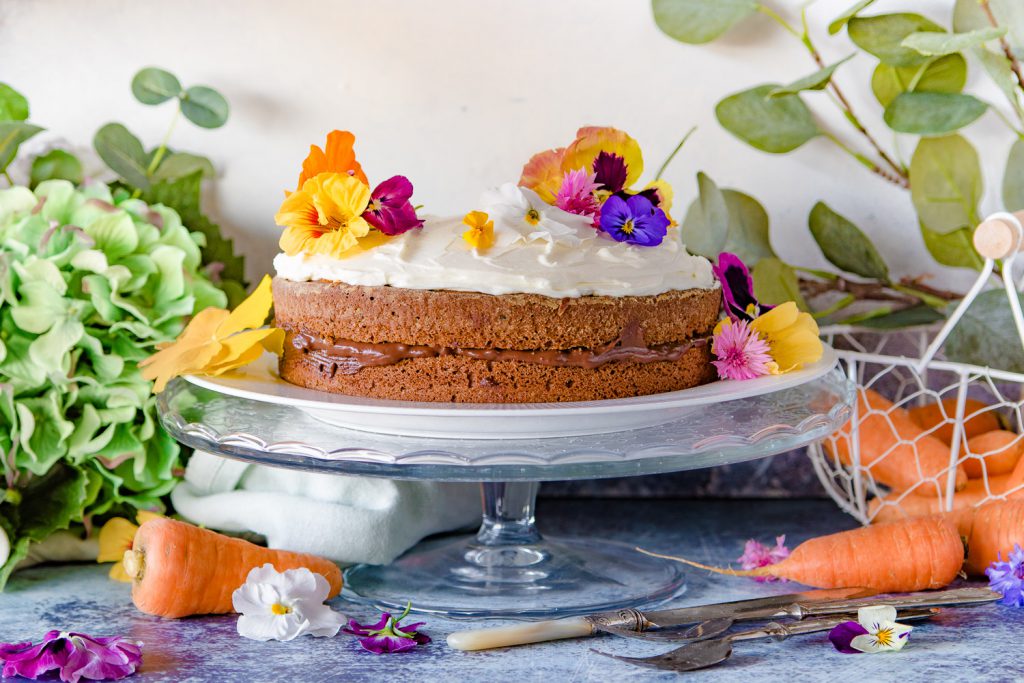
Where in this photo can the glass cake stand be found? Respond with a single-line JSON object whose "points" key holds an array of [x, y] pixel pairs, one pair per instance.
{"points": [[507, 569]]}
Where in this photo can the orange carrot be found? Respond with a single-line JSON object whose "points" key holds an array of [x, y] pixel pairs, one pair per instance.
{"points": [[999, 450], [910, 555], [895, 451], [978, 418], [994, 529], [920, 506], [178, 569]]}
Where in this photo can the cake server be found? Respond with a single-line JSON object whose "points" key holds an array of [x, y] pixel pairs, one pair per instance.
{"points": [[636, 621]]}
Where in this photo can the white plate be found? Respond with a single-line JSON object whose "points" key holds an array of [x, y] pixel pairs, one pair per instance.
{"points": [[259, 381]]}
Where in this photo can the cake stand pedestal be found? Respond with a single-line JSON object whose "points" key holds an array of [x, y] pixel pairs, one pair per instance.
{"points": [[508, 569]]}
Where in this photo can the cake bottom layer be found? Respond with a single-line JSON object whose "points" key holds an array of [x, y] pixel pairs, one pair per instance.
{"points": [[460, 379]]}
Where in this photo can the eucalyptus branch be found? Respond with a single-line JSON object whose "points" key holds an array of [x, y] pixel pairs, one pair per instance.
{"points": [[898, 180], [672, 156], [162, 149], [908, 292], [1004, 43]]}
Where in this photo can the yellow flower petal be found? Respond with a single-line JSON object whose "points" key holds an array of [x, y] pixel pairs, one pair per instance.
{"points": [[324, 216], [249, 314], [115, 537], [792, 336], [173, 361], [238, 350], [591, 141], [481, 230], [118, 573]]}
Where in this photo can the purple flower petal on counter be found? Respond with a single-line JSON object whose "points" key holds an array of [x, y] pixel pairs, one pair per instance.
{"points": [[74, 656], [843, 634], [388, 634]]}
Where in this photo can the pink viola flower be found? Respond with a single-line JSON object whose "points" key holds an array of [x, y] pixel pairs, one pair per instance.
{"points": [[390, 210], [72, 657], [740, 352], [757, 554], [576, 195]]}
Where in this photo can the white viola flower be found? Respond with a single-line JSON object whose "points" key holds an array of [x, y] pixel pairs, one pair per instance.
{"points": [[284, 605], [522, 210], [883, 633]]}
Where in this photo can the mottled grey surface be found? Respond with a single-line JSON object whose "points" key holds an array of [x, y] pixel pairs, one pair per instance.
{"points": [[980, 643]]}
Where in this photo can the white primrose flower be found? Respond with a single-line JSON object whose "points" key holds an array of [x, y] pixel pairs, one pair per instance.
{"points": [[284, 605]]}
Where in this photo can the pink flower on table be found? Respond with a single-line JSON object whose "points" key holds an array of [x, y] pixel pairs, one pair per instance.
{"points": [[576, 195], [390, 210], [740, 352], [388, 634], [72, 657], [757, 554]]}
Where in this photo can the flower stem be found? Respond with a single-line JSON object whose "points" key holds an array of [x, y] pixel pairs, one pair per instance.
{"points": [[10, 180], [162, 149], [769, 12], [672, 156], [837, 306]]}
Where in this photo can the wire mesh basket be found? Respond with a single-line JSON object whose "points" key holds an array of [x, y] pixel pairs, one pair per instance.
{"points": [[915, 442]]}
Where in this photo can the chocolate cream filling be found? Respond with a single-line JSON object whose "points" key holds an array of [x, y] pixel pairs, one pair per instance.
{"points": [[349, 357]]}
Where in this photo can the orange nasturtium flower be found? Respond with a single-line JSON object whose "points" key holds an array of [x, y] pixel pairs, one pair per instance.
{"points": [[481, 230], [116, 537], [337, 156], [325, 216], [216, 341]]}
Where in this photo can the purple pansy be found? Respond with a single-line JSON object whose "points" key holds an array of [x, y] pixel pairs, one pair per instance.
{"points": [[635, 220], [1008, 577], [72, 657], [737, 288], [390, 210], [610, 171], [843, 634], [388, 634]]}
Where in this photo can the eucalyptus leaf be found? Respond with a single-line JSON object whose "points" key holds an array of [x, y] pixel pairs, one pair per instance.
{"points": [[998, 69], [987, 335], [945, 75], [748, 228], [204, 107], [938, 44], [776, 282], [154, 86], [12, 134], [706, 225], [123, 153], [180, 164], [907, 317], [699, 21], [968, 15], [882, 35], [954, 249], [56, 165], [816, 81], [13, 105], [1013, 178], [843, 19], [770, 124], [845, 245], [946, 184], [932, 113]]}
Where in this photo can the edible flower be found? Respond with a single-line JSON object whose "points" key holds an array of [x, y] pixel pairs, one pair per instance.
{"points": [[875, 630], [756, 554], [576, 195], [523, 211], [740, 353], [337, 156], [284, 605], [635, 220], [116, 537], [216, 341], [609, 152], [388, 634], [325, 216], [792, 336], [1008, 577], [737, 288], [481, 230], [543, 173], [72, 657], [390, 210]]}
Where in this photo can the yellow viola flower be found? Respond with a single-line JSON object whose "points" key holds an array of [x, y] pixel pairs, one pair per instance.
{"points": [[543, 173], [792, 336], [216, 341], [481, 230], [592, 140], [665, 196], [324, 216], [116, 537]]}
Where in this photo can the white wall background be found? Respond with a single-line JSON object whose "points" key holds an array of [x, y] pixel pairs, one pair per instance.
{"points": [[456, 94]]}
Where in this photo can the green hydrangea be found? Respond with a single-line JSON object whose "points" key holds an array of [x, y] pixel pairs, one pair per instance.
{"points": [[90, 283]]}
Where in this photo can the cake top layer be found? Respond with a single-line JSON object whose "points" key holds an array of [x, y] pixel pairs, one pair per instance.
{"points": [[572, 226]]}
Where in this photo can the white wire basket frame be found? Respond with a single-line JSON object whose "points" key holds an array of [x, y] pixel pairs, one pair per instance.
{"points": [[906, 368]]}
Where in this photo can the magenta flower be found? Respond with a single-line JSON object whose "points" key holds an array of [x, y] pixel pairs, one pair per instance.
{"points": [[757, 554], [388, 634], [576, 195], [390, 210], [72, 657], [1008, 577], [737, 288], [634, 220], [740, 352]]}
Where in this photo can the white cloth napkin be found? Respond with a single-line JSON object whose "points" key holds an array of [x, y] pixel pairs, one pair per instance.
{"points": [[347, 519]]}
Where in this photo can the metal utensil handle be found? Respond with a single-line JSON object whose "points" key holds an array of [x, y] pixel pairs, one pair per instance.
{"points": [[777, 631], [957, 596]]}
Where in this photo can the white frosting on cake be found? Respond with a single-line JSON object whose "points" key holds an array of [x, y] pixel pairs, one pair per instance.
{"points": [[561, 256]]}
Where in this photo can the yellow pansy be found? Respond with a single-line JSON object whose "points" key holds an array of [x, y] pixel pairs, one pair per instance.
{"points": [[116, 537], [592, 140], [481, 230], [791, 334], [216, 341], [325, 216]]}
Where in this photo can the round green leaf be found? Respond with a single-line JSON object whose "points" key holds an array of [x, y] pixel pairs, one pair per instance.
{"points": [[843, 19], [776, 283], [699, 21], [180, 164], [770, 124], [204, 107], [986, 335], [946, 184], [1013, 178], [706, 225], [883, 35], [748, 227], [56, 165], [815, 81], [123, 153], [13, 105], [968, 15], [946, 74], [845, 245], [954, 249], [932, 113], [936, 44], [12, 134], [155, 86]]}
